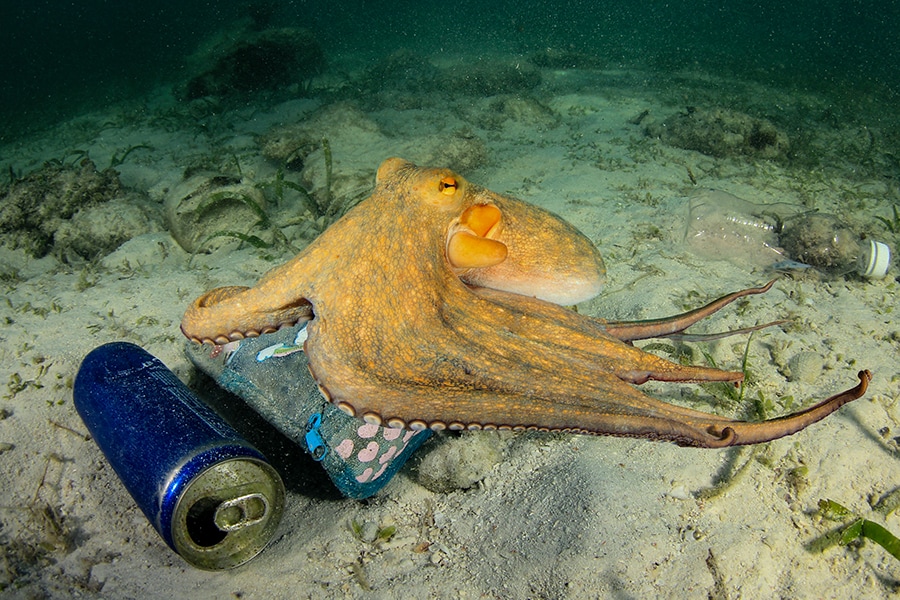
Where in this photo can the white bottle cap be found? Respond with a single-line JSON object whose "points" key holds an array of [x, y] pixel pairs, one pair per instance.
{"points": [[876, 260]]}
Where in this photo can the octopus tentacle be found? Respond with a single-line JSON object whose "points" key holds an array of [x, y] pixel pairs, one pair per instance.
{"points": [[709, 337], [641, 330], [637, 416], [225, 315], [743, 433], [633, 414], [513, 362]]}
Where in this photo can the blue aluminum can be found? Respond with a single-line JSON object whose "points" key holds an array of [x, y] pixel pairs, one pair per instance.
{"points": [[212, 496]]}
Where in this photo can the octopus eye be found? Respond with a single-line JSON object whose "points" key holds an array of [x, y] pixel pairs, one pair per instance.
{"points": [[447, 186]]}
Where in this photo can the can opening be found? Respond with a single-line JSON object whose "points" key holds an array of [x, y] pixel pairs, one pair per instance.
{"points": [[227, 513], [209, 521], [201, 523]]}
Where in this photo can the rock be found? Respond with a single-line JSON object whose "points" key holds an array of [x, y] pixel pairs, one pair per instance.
{"points": [[805, 367], [527, 111], [34, 208], [206, 204], [147, 250], [461, 151], [721, 133], [459, 462], [356, 145], [523, 110], [99, 230], [243, 62], [342, 123]]}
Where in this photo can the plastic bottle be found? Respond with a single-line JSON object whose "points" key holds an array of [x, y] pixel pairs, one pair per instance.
{"points": [[723, 226], [826, 243], [779, 236]]}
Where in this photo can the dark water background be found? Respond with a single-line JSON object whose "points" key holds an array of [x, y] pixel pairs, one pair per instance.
{"points": [[63, 57]]}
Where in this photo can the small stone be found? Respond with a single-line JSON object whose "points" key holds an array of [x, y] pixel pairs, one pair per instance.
{"points": [[459, 463], [806, 367], [368, 531], [679, 492]]}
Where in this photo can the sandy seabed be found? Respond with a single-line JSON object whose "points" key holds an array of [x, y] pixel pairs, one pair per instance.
{"points": [[557, 516]]}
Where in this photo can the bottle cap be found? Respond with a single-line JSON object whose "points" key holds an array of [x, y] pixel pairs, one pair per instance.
{"points": [[876, 260]]}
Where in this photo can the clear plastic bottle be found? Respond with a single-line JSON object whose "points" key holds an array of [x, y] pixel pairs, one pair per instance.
{"points": [[780, 236], [725, 227], [827, 244]]}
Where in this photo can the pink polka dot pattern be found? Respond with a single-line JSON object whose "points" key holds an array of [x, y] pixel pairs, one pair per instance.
{"points": [[344, 449], [368, 431], [368, 453]]}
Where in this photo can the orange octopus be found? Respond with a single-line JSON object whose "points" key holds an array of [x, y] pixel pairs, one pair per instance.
{"points": [[437, 303]]}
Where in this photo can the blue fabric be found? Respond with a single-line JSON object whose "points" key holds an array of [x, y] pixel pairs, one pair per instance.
{"points": [[271, 374]]}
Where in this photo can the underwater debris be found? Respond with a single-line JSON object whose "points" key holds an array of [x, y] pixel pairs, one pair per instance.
{"points": [[205, 205], [72, 210], [459, 462], [208, 209], [721, 133], [253, 61], [828, 243], [520, 108]]}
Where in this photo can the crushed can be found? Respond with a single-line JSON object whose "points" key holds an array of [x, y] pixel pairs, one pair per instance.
{"points": [[212, 496]]}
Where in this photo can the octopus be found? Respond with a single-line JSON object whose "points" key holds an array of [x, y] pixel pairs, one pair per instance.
{"points": [[436, 303]]}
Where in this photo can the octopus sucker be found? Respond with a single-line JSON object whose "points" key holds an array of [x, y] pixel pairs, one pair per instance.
{"points": [[440, 303], [372, 418], [347, 408]]}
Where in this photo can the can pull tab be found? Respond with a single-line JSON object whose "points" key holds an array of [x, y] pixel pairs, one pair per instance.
{"points": [[314, 440], [241, 512]]}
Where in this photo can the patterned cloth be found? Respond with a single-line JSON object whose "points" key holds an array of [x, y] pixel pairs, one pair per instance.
{"points": [[271, 374]]}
